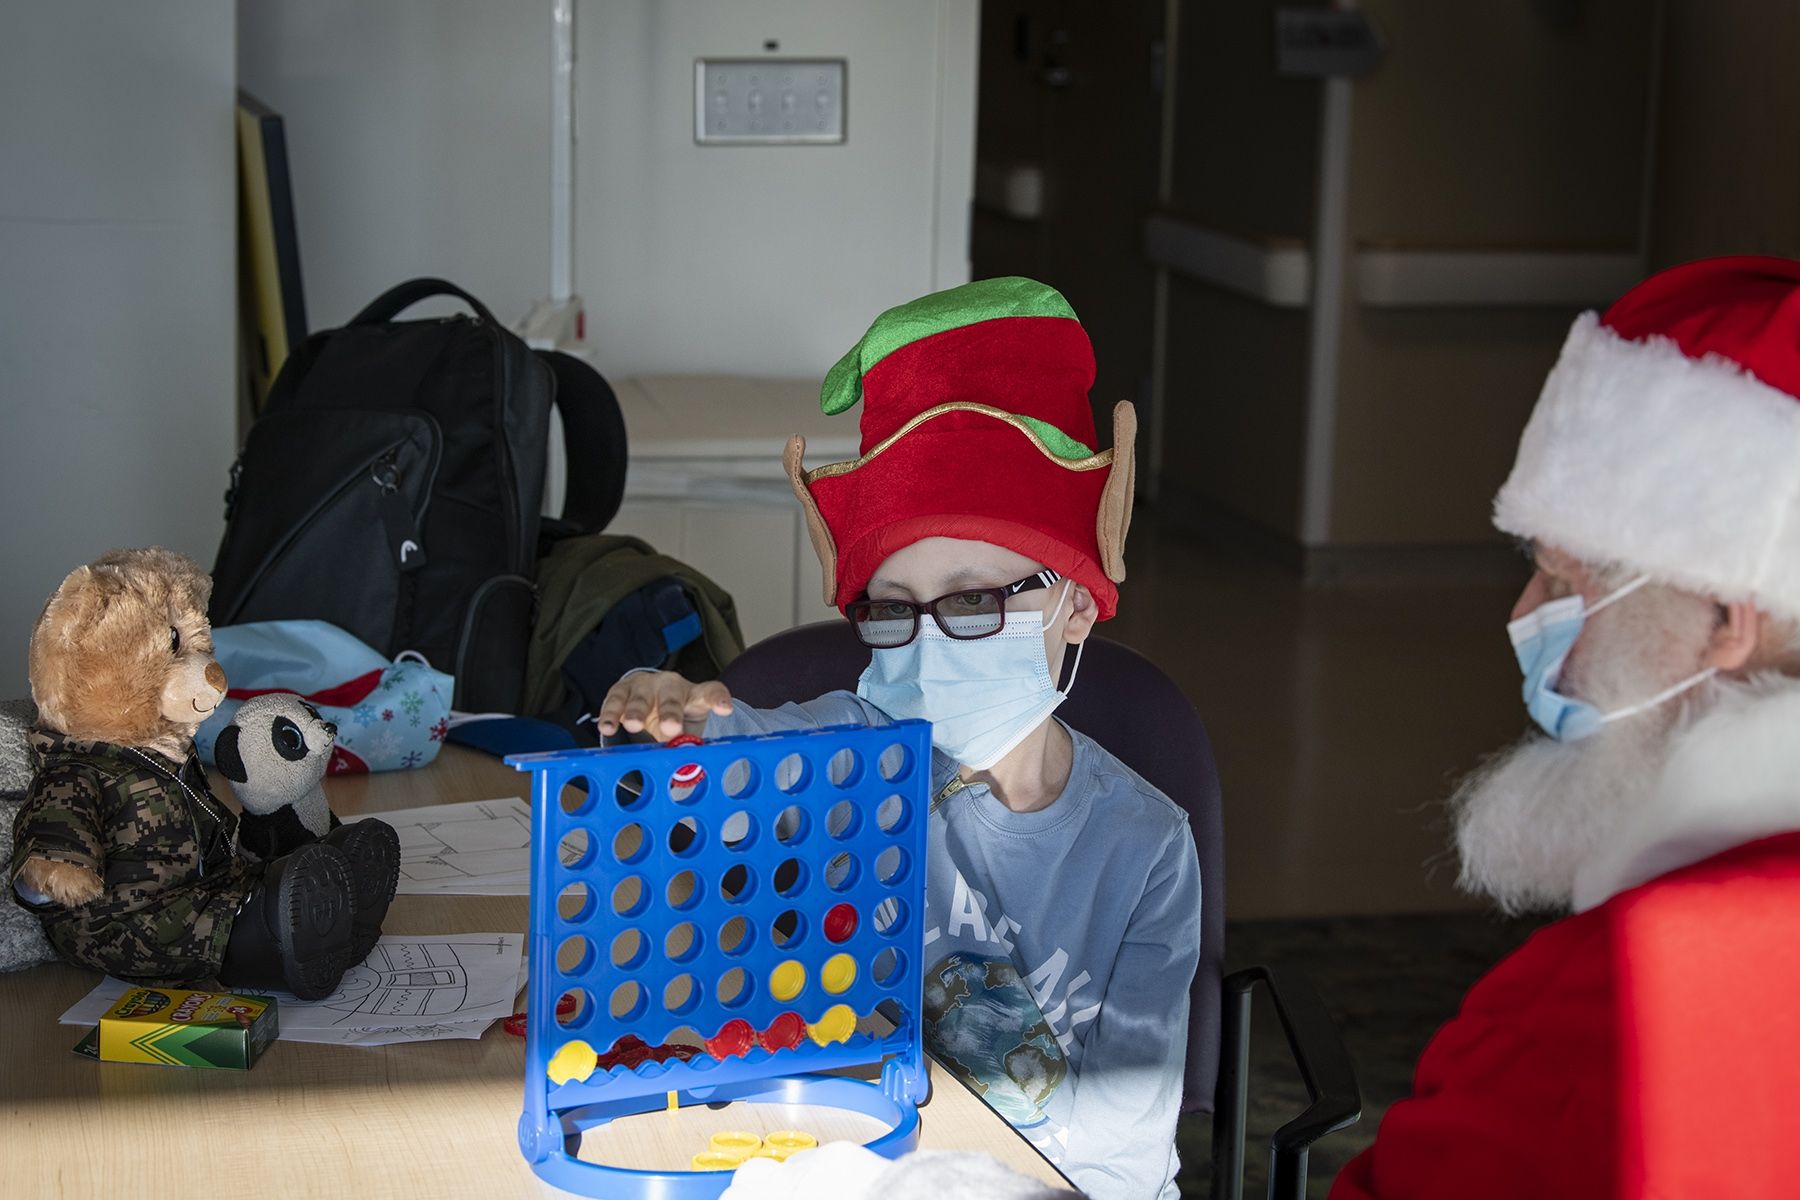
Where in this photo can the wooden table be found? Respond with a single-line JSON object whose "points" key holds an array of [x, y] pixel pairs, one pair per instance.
{"points": [[431, 1119]]}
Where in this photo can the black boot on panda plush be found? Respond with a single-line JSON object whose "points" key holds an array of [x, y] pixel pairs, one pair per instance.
{"points": [[275, 751], [373, 850], [296, 931]]}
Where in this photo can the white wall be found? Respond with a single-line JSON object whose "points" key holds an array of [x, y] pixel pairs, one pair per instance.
{"points": [[767, 260], [419, 136], [118, 326]]}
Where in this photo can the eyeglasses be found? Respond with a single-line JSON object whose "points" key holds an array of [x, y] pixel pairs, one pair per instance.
{"points": [[968, 614]]}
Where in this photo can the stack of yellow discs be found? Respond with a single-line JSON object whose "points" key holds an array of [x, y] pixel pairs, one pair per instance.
{"points": [[712, 1160], [736, 1141], [791, 1140], [727, 1151]]}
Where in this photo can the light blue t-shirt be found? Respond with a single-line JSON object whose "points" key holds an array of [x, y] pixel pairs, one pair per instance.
{"points": [[1059, 946]]}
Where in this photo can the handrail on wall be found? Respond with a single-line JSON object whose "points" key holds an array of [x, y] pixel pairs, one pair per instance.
{"points": [[1273, 270], [1278, 271], [1494, 278]]}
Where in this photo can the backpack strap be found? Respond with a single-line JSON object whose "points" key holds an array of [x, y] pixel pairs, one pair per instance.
{"points": [[593, 440], [402, 296]]}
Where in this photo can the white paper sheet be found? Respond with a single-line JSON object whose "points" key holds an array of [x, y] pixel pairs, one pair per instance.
{"points": [[479, 848], [409, 989], [443, 1031]]}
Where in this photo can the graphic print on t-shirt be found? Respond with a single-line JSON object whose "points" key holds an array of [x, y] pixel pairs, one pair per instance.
{"points": [[982, 1023]]}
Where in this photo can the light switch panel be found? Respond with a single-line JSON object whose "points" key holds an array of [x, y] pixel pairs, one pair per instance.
{"points": [[768, 101]]}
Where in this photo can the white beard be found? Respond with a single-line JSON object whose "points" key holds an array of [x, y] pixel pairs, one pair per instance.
{"points": [[1528, 818]]}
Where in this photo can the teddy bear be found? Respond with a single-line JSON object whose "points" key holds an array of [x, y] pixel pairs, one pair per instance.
{"points": [[121, 848]]}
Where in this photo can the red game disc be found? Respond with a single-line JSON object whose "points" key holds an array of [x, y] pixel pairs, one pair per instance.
{"points": [[690, 776], [784, 1032], [840, 922], [733, 1040], [632, 1051], [515, 1024]]}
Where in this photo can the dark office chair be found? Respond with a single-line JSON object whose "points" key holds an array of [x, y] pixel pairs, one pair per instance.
{"points": [[1175, 755]]}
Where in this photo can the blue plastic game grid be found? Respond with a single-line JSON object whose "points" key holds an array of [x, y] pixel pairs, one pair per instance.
{"points": [[816, 807]]}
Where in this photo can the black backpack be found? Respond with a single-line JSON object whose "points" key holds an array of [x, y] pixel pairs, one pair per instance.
{"points": [[392, 486]]}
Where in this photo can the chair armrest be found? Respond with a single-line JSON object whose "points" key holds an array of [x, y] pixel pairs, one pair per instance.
{"points": [[1325, 1068]]}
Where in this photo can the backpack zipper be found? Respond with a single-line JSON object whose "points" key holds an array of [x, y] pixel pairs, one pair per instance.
{"points": [[396, 515], [508, 482]]}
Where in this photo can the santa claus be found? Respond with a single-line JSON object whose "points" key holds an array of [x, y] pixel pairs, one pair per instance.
{"points": [[1648, 1044]]}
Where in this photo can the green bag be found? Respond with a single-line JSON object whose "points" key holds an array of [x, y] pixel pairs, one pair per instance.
{"points": [[583, 579]]}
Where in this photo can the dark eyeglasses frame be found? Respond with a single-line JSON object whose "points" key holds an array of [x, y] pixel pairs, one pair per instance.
{"points": [[1031, 583]]}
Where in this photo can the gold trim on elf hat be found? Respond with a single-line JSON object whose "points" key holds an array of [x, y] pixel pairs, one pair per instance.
{"points": [[976, 424]]}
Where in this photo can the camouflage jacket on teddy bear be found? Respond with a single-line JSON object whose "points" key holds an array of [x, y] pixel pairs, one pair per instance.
{"points": [[163, 845]]}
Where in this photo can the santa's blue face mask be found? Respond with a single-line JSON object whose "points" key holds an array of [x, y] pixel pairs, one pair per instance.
{"points": [[1542, 639]]}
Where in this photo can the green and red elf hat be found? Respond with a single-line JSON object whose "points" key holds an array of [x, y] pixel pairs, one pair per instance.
{"points": [[975, 424]]}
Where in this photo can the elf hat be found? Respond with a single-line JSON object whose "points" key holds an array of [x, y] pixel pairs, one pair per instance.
{"points": [[1667, 437], [975, 424]]}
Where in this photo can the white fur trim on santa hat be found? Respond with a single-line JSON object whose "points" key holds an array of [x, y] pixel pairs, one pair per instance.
{"points": [[1732, 777], [1687, 469]]}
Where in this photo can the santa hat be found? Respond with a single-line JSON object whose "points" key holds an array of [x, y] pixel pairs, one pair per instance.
{"points": [[1667, 437], [975, 424]]}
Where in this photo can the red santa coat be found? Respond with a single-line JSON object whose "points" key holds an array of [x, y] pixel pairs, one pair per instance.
{"points": [[1650, 1045]]}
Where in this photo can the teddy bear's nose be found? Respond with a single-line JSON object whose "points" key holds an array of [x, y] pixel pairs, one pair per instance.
{"points": [[215, 675]]}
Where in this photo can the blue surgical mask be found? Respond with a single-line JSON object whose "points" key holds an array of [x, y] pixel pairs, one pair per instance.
{"points": [[1542, 639], [982, 696]]}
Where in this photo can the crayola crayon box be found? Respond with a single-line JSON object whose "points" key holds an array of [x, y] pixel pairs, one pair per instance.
{"points": [[176, 1028]]}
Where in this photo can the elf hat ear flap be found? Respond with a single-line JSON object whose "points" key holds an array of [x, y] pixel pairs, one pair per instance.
{"points": [[1121, 488], [816, 529]]}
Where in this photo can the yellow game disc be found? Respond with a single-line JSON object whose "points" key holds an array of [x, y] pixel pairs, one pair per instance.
{"points": [[778, 1153], [787, 981], [736, 1141], [838, 1023], [575, 1061], [838, 973], [790, 1140], [712, 1160]]}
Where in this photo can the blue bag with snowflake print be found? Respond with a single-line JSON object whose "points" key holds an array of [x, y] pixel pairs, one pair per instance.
{"points": [[390, 715]]}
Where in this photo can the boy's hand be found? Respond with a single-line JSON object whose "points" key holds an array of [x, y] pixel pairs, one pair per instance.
{"points": [[662, 704]]}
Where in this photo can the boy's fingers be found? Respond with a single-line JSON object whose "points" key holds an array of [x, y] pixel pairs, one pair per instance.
{"points": [[669, 719], [637, 707], [709, 697], [613, 708], [610, 708], [662, 704]]}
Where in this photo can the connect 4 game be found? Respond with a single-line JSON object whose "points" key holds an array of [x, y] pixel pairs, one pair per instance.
{"points": [[721, 921]]}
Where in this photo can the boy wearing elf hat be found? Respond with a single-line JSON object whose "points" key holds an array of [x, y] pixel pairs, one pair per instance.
{"points": [[973, 544], [1646, 1045]]}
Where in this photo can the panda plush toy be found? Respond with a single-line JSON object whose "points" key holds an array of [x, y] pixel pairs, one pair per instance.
{"points": [[275, 752]]}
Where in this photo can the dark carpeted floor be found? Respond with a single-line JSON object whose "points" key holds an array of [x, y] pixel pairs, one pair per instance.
{"points": [[1389, 982]]}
